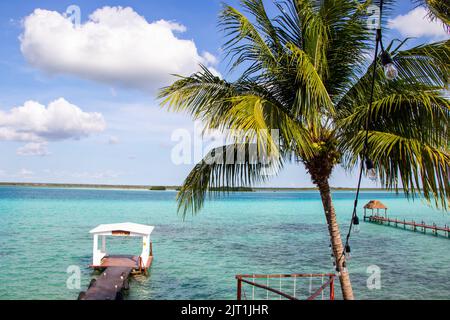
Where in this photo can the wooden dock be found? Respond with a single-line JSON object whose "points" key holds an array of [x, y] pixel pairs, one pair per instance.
{"points": [[109, 285], [117, 269], [113, 281], [410, 225]]}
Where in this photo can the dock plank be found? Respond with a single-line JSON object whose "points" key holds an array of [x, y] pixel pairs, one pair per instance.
{"points": [[108, 284]]}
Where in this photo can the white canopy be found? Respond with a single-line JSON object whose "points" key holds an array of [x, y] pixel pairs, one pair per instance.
{"points": [[134, 228], [120, 229]]}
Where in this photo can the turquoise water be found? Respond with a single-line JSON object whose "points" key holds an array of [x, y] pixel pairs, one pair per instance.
{"points": [[44, 231]]}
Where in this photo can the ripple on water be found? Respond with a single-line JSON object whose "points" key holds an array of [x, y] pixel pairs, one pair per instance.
{"points": [[198, 258]]}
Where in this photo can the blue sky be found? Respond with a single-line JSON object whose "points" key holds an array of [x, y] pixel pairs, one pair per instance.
{"points": [[66, 120]]}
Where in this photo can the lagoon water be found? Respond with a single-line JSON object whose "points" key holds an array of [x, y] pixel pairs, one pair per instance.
{"points": [[43, 231]]}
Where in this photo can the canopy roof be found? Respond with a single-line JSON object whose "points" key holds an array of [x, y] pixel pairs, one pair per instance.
{"points": [[136, 228], [375, 204]]}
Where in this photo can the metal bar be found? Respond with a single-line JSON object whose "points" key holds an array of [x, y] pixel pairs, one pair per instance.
{"points": [[253, 290], [322, 290], [331, 288], [239, 288], [318, 291], [268, 288], [280, 287], [298, 275], [295, 287]]}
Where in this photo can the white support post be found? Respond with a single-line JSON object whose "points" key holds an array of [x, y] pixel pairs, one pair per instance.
{"points": [[104, 244], [95, 259], [145, 249]]}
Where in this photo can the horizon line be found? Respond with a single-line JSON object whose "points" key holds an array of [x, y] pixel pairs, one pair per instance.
{"points": [[161, 187]]}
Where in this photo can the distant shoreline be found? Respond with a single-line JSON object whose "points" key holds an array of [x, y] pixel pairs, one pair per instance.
{"points": [[162, 188]]}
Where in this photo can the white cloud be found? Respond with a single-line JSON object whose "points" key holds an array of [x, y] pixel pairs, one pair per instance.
{"points": [[416, 24], [33, 149], [113, 140], [116, 46], [25, 173], [210, 58], [58, 121], [36, 124]]}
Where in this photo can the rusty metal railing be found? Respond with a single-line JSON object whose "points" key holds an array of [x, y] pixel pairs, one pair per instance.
{"points": [[244, 278]]}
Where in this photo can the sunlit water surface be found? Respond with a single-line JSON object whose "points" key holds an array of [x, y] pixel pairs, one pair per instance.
{"points": [[43, 231]]}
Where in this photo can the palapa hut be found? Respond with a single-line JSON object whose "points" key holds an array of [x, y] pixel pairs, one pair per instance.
{"points": [[375, 204]]}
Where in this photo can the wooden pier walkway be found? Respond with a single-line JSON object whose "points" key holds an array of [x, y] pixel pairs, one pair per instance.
{"points": [[109, 285], [117, 269], [411, 225]]}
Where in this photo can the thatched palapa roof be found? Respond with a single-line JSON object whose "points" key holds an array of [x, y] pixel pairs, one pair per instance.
{"points": [[375, 204]]}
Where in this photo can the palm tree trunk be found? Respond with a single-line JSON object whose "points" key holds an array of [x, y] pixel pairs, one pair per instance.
{"points": [[335, 236]]}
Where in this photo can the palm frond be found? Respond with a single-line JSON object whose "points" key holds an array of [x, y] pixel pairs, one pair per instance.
{"points": [[438, 10], [230, 166], [409, 141], [425, 67], [315, 34], [247, 110], [416, 114], [259, 120], [311, 90], [245, 44], [428, 64], [263, 23], [419, 168], [349, 42]]}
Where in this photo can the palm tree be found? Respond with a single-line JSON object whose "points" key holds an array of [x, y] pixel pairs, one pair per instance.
{"points": [[305, 73]]}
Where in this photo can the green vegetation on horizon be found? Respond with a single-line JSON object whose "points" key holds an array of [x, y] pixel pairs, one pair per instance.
{"points": [[168, 187]]}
